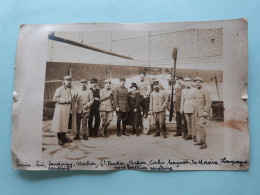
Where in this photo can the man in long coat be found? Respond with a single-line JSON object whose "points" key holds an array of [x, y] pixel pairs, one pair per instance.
{"points": [[65, 98], [94, 110], [120, 100], [202, 110], [158, 104], [187, 107], [106, 107], [84, 102], [180, 117]]}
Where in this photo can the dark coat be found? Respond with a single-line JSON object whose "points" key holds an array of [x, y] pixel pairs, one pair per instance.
{"points": [[120, 98], [134, 100]]}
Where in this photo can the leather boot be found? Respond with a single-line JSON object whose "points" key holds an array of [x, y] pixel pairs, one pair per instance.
{"points": [[66, 139], [118, 128], [194, 138], [134, 131], [203, 145], [105, 130], [164, 131], [85, 137], [124, 129], [137, 131], [60, 140], [77, 136], [157, 130], [188, 137]]}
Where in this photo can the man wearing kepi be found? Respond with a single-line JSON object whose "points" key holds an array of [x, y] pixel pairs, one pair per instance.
{"points": [[202, 110], [65, 98], [180, 117], [158, 104], [120, 100], [94, 110], [106, 107], [144, 89], [187, 107], [84, 102]]}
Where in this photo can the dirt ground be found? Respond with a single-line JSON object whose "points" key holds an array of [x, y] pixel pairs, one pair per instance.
{"points": [[142, 147]]}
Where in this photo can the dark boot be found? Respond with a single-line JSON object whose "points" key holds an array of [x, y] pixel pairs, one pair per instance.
{"points": [[194, 138], [188, 137], [60, 140], [85, 137], [134, 131], [77, 137], [105, 130], [157, 130], [118, 128], [66, 139], [164, 131], [124, 129], [137, 131]]}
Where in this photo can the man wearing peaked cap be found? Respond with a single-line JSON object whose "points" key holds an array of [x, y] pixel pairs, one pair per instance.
{"points": [[106, 107], [94, 110], [202, 110], [187, 107], [84, 101], [65, 98], [120, 100], [158, 104]]}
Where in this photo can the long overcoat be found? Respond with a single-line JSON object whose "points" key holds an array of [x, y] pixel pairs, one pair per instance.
{"points": [[134, 100], [65, 105]]}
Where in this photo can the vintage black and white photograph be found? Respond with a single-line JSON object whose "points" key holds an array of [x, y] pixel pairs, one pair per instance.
{"points": [[151, 99]]}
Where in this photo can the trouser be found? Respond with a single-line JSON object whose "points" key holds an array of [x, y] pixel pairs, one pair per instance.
{"points": [[121, 116], [191, 124], [145, 105], [181, 127], [107, 117], [70, 122], [202, 122], [84, 118], [93, 131]]}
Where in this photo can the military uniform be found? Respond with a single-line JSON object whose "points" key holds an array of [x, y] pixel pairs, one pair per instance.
{"points": [[187, 107], [120, 100], [144, 89], [158, 102], [106, 108], [202, 107], [84, 103]]}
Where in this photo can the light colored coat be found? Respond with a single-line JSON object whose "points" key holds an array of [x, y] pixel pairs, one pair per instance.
{"points": [[188, 100], [203, 102], [106, 100], [144, 88], [65, 104], [85, 97], [158, 101]]}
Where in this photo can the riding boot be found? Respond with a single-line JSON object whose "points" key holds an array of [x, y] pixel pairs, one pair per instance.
{"points": [[164, 130], [105, 130], [60, 140], [157, 130], [118, 128], [124, 129]]}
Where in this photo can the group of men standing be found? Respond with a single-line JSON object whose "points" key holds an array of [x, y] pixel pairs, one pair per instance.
{"points": [[192, 107]]}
